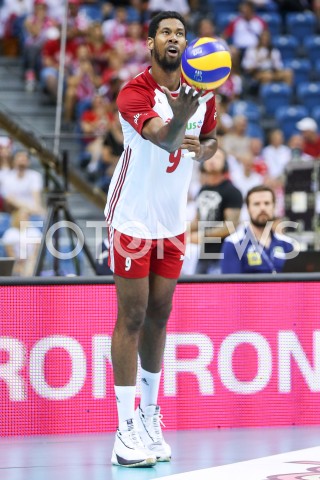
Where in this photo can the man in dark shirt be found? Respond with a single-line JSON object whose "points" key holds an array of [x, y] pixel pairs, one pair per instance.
{"points": [[218, 210]]}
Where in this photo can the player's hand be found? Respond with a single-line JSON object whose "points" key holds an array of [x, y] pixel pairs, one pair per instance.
{"points": [[192, 144], [186, 103]]}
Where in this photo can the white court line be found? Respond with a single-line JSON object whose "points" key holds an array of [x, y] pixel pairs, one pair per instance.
{"points": [[301, 464]]}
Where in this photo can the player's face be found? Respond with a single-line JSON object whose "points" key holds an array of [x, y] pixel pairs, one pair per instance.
{"points": [[169, 44], [261, 208]]}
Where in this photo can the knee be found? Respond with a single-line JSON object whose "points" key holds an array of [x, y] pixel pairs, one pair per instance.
{"points": [[132, 319], [159, 313]]}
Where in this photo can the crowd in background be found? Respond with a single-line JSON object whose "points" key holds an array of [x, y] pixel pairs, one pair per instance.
{"points": [[106, 47]]}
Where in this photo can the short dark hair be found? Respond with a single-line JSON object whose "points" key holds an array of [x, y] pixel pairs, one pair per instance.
{"points": [[155, 21], [260, 188]]}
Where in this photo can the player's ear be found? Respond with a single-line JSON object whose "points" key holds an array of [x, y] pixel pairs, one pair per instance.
{"points": [[150, 43]]}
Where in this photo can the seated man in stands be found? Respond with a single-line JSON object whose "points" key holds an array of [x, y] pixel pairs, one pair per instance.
{"points": [[257, 247], [22, 186], [264, 62], [311, 138]]}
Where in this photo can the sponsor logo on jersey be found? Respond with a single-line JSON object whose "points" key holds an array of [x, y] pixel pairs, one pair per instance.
{"points": [[136, 118]]}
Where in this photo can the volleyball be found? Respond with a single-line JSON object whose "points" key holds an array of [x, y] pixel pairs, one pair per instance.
{"points": [[206, 63]]}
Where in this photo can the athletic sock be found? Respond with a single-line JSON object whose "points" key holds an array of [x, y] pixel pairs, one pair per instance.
{"points": [[149, 388], [125, 397]]}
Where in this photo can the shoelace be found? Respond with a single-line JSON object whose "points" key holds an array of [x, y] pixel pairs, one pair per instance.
{"points": [[155, 421]]}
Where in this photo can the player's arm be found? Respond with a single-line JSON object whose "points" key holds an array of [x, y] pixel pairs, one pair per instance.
{"points": [[203, 147], [170, 135]]}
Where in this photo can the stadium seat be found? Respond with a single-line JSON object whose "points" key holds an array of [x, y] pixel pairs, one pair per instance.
{"points": [[247, 108], [287, 117], [315, 113], [223, 6], [302, 69], [274, 95], [254, 130], [92, 12], [273, 20], [311, 46], [308, 94], [300, 25], [288, 46], [223, 19]]}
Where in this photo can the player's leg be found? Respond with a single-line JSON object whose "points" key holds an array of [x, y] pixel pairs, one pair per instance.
{"points": [[166, 263], [151, 348], [132, 296], [129, 260]]}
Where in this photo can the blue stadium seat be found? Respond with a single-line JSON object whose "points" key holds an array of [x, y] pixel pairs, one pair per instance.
{"points": [[274, 95], [287, 117], [308, 94], [254, 130], [92, 12], [301, 24], [223, 6], [301, 69], [247, 108], [311, 46], [315, 113], [288, 46], [273, 20], [223, 19]]}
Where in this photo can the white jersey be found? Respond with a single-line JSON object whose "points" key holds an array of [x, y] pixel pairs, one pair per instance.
{"points": [[147, 197]]}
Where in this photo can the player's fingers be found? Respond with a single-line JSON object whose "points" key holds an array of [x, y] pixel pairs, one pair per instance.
{"points": [[205, 98], [167, 93]]}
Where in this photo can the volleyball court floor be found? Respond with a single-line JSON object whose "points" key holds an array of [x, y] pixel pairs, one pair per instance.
{"points": [[270, 453]]}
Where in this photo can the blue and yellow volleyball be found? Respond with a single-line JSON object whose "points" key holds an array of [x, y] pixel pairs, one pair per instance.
{"points": [[206, 63]]}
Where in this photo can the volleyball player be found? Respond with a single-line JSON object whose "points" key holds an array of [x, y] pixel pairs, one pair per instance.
{"points": [[166, 127]]}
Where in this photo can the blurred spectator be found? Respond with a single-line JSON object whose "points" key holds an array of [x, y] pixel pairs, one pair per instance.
{"points": [[22, 186], [82, 84], [180, 6], [12, 15], [295, 144], [78, 23], [224, 119], [245, 178], [218, 201], [133, 52], [98, 47], [236, 142], [110, 154], [244, 31], [311, 138], [94, 124], [205, 28], [116, 27], [232, 87], [36, 26], [256, 248], [21, 241], [264, 63], [5, 153], [276, 155], [50, 60], [259, 165], [5, 165]]}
